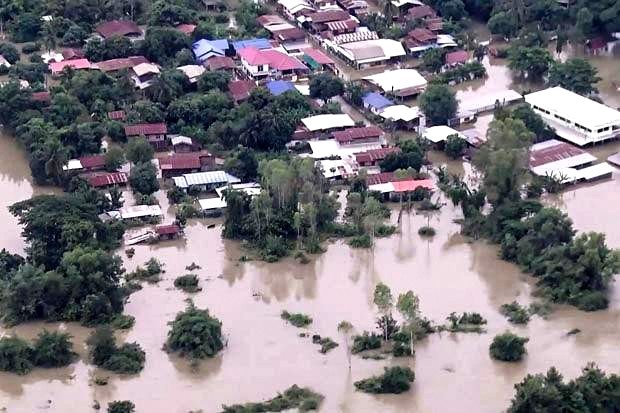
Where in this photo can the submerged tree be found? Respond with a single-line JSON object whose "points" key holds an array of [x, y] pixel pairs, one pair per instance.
{"points": [[438, 103], [385, 302], [195, 334], [508, 347]]}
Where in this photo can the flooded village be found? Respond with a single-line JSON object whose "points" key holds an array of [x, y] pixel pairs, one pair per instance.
{"points": [[262, 354]]}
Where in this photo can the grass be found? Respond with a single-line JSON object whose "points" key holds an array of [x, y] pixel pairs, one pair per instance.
{"points": [[297, 319]]}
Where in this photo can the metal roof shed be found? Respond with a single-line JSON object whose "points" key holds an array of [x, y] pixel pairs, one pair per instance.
{"points": [[327, 121]]}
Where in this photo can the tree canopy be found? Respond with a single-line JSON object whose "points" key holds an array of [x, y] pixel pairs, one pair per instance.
{"points": [[438, 103]]}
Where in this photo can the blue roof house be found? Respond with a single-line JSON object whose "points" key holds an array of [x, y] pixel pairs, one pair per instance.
{"points": [[258, 43], [277, 87], [204, 49], [376, 102]]}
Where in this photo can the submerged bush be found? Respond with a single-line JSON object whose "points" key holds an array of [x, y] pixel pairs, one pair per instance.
{"points": [[427, 231], [302, 398], [187, 283], [296, 319], [126, 359], [365, 342], [326, 343], [53, 349], [516, 313], [394, 380], [121, 406], [360, 241], [15, 355], [195, 334], [508, 347]]}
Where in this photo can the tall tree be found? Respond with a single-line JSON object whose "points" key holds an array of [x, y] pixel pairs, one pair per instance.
{"points": [[438, 103], [575, 74], [384, 301]]}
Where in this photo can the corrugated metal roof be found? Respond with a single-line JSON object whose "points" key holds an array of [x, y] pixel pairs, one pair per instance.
{"points": [[146, 129], [140, 211], [118, 28], [108, 179], [205, 178]]}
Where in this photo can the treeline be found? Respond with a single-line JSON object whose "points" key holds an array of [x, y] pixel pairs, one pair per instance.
{"points": [[570, 268]]}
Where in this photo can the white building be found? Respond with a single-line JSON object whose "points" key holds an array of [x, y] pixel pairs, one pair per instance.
{"points": [[575, 118], [400, 82], [328, 121], [368, 53]]}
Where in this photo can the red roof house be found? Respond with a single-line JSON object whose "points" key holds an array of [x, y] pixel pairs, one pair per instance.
{"points": [[240, 89], [75, 64], [410, 185], [44, 97], [117, 115], [364, 134], [422, 36], [421, 12], [262, 63], [219, 63], [118, 28], [325, 16], [107, 179], [458, 57], [146, 129], [373, 156], [179, 163], [185, 28], [114, 65], [92, 162]]}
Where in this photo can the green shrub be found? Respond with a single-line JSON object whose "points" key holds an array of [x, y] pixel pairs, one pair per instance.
{"points": [[15, 355], [426, 231], [103, 351], [195, 334], [296, 319], [121, 406], [508, 347], [360, 241], [516, 313], [187, 283], [30, 48], [326, 343], [401, 349], [592, 301], [365, 341], [122, 322], [394, 380], [301, 398], [53, 349], [385, 230]]}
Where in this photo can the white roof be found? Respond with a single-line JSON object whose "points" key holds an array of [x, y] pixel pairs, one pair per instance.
{"points": [[394, 80], [575, 108], [73, 164], [140, 211], [277, 27], [303, 89], [330, 148], [359, 50], [401, 112], [192, 71], [383, 188], [293, 6], [446, 40], [566, 175], [212, 203], [145, 68], [333, 168], [52, 56], [440, 133], [250, 188], [4, 62], [399, 3], [204, 178], [476, 103], [328, 121], [175, 140]]}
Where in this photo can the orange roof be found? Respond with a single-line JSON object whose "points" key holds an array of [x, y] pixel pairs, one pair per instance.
{"points": [[76, 64], [412, 184]]}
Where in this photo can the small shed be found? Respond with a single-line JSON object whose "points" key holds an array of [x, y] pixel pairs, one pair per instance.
{"points": [[376, 102]]}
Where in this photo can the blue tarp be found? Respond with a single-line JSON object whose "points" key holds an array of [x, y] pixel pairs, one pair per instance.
{"points": [[277, 87], [204, 49], [376, 101], [258, 43]]}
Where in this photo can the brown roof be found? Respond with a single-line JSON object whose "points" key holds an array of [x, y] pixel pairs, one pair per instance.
{"points": [[435, 24], [220, 62], [72, 53], [270, 19], [92, 161], [146, 129], [121, 63], [241, 89], [554, 151], [117, 115], [330, 16], [374, 155], [421, 12], [180, 161], [106, 179], [422, 35], [383, 178], [186, 28], [41, 96], [458, 56], [167, 229], [118, 28], [294, 33], [351, 134]]}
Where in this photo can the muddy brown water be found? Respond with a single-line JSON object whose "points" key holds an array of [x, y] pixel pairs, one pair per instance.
{"points": [[265, 355]]}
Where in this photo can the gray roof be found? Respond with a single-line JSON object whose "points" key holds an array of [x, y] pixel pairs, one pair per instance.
{"points": [[205, 178]]}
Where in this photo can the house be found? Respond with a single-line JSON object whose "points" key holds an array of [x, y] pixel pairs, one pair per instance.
{"points": [[114, 65], [420, 39], [456, 58], [240, 90], [182, 144], [270, 64], [193, 72], [76, 64], [292, 40], [143, 74], [322, 123], [203, 49], [255, 43], [179, 163], [340, 27], [404, 5], [435, 25], [376, 102], [404, 117], [278, 87], [72, 53], [575, 118], [440, 133], [361, 135], [204, 181], [292, 9], [140, 211], [317, 61], [268, 21], [402, 83], [325, 4], [320, 19], [155, 133], [356, 8], [92, 163], [335, 169], [421, 12], [108, 179], [373, 157], [124, 28], [217, 63], [117, 115], [366, 53], [168, 231]]}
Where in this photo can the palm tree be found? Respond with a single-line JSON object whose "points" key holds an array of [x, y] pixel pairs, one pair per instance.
{"points": [[58, 156]]}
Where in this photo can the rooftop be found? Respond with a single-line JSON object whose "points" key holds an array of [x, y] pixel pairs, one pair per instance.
{"points": [[399, 79], [121, 63], [342, 25], [318, 56], [458, 56], [352, 134], [106, 179], [241, 89], [422, 35], [220, 62], [180, 161], [440, 133], [138, 211], [118, 28], [574, 107], [117, 115], [421, 11], [401, 113], [193, 71], [76, 64], [167, 229], [257, 43], [188, 29], [205, 178], [204, 48], [376, 100], [277, 87], [327, 121], [146, 129], [374, 155], [92, 161], [325, 16], [275, 59], [145, 69], [389, 48]]}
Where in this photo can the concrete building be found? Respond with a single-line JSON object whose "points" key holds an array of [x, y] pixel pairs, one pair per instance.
{"points": [[575, 118]]}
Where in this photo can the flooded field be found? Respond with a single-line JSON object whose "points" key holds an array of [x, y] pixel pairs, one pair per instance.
{"points": [[265, 355]]}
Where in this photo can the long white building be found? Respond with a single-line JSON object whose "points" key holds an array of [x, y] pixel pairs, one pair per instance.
{"points": [[575, 118]]}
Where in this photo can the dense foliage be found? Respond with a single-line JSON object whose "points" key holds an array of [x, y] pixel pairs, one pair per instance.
{"points": [[129, 358], [302, 398], [394, 380], [439, 104], [121, 406], [508, 347], [296, 319], [187, 283], [194, 333], [50, 349]]}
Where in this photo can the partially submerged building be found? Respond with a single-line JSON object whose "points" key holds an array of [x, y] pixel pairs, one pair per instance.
{"points": [[575, 118]]}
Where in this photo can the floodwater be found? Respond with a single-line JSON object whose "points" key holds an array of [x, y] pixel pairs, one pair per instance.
{"points": [[265, 355]]}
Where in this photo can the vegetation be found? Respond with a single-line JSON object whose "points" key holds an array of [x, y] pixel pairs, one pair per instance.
{"points": [[364, 342], [15, 355], [438, 102], [465, 323], [326, 343], [455, 146], [508, 347], [297, 319], [577, 75], [325, 86], [195, 334], [129, 358], [516, 313], [53, 349], [121, 406], [427, 231], [187, 283], [394, 380], [302, 398], [593, 390], [150, 272]]}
